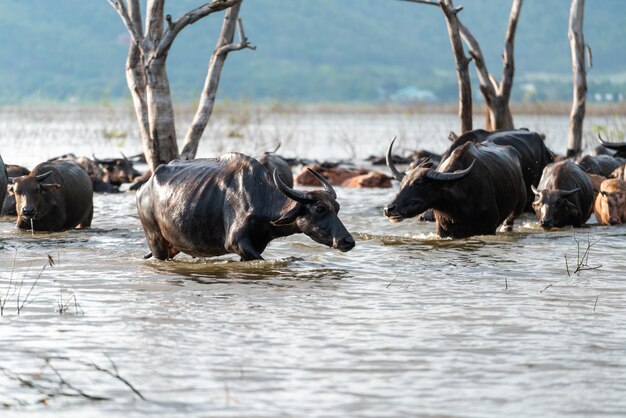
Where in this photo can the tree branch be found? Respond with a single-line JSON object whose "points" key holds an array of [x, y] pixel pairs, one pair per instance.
{"points": [[508, 61], [129, 23], [190, 18]]}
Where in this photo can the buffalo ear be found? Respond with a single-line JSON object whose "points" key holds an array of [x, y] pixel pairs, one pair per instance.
{"points": [[289, 217], [48, 188]]}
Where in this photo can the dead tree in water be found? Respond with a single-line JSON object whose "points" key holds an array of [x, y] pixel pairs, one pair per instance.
{"points": [[146, 72], [462, 62], [577, 44], [497, 94]]}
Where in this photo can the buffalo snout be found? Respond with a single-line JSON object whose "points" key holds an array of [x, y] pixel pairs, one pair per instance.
{"points": [[546, 223], [614, 221], [344, 244], [28, 212]]}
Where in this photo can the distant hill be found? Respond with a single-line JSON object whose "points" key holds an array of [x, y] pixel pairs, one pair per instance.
{"points": [[321, 50]]}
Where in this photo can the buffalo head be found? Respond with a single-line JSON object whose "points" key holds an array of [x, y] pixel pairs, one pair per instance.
{"points": [[315, 214], [421, 187], [554, 208], [29, 192]]}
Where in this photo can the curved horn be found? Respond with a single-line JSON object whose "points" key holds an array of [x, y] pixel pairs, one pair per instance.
{"points": [[277, 147], [297, 195], [43, 176], [534, 189], [396, 174], [611, 145], [437, 176], [124, 157], [324, 182], [565, 193], [98, 160]]}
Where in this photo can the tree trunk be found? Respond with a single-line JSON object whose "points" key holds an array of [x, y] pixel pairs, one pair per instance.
{"points": [[462, 62], [209, 92], [160, 114], [577, 44]]}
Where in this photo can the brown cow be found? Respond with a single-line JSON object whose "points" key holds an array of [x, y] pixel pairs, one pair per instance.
{"points": [[610, 206], [8, 207], [335, 175], [619, 173], [373, 179]]}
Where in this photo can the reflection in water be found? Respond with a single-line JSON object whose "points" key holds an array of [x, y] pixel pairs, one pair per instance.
{"points": [[405, 324]]}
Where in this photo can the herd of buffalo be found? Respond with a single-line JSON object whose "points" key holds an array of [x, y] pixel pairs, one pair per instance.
{"points": [[238, 204]]}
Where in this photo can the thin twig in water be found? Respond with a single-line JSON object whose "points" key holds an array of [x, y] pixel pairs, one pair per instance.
{"points": [[594, 305], [116, 375], [506, 284], [391, 282], [20, 307], [545, 288]]}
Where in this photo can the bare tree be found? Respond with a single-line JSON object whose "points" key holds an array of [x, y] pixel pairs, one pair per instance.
{"points": [[146, 72], [462, 62], [577, 44], [497, 94]]}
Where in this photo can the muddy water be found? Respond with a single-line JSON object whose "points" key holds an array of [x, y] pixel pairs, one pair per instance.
{"points": [[406, 324]]}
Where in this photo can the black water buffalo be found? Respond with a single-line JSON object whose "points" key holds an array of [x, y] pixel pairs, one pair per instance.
{"points": [[93, 170], [534, 154], [117, 171], [231, 204], [55, 196], [602, 164], [618, 147], [4, 180], [8, 207], [272, 161], [472, 192], [564, 196]]}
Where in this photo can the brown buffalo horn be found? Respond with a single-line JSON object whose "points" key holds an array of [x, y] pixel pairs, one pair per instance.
{"points": [[392, 167], [436, 175], [565, 193], [612, 145], [297, 195], [43, 176], [534, 189], [324, 182]]}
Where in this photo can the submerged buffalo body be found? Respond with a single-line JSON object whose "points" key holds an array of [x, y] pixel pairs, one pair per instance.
{"points": [[533, 152], [564, 196], [472, 192], [55, 196], [231, 204], [603, 165]]}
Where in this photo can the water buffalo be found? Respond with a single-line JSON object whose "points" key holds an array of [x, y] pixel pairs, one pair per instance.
{"points": [[472, 192], [117, 171], [93, 170], [4, 180], [272, 161], [8, 207], [55, 196], [610, 204], [335, 175], [232, 204], [534, 154], [602, 165], [373, 179], [618, 147], [564, 196]]}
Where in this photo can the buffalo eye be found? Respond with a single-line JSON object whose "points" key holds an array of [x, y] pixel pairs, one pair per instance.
{"points": [[320, 209]]}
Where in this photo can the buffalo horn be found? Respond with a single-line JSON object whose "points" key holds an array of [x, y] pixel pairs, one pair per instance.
{"points": [[43, 176], [392, 167], [124, 157], [534, 189], [612, 145], [297, 195], [324, 182], [436, 175], [103, 162], [565, 193]]}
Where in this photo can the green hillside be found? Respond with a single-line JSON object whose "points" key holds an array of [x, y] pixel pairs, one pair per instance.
{"points": [[322, 50]]}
